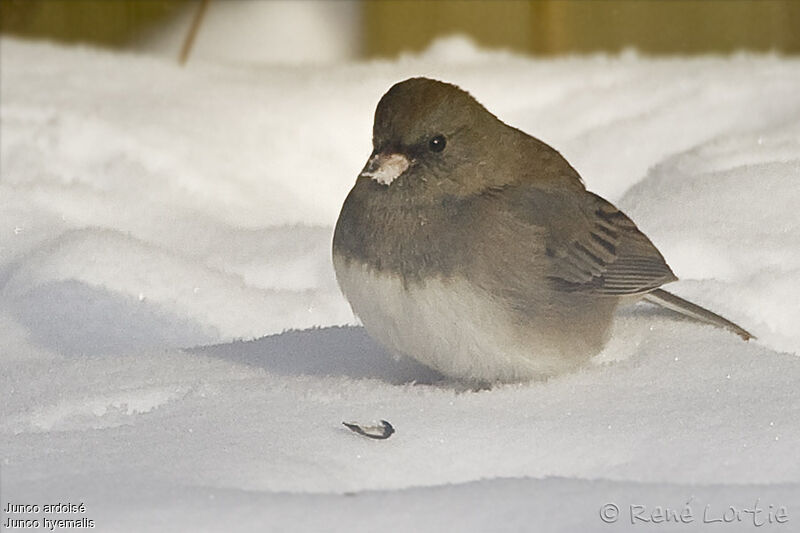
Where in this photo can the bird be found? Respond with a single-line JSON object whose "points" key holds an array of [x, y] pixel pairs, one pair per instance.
{"points": [[476, 249]]}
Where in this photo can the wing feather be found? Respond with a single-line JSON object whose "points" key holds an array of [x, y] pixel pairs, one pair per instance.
{"points": [[590, 246], [609, 257]]}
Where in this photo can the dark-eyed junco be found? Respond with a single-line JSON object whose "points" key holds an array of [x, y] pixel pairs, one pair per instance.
{"points": [[475, 248]]}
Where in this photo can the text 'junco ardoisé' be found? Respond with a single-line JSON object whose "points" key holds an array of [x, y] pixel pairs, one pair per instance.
{"points": [[475, 248]]}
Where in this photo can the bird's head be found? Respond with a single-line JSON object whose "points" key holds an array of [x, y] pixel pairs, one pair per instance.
{"points": [[432, 137]]}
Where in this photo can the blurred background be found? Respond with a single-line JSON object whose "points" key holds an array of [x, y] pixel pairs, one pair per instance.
{"points": [[318, 31]]}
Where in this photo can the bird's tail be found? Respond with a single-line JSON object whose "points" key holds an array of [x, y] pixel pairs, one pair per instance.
{"points": [[679, 305]]}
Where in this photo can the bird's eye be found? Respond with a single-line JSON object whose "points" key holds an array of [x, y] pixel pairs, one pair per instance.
{"points": [[437, 144]]}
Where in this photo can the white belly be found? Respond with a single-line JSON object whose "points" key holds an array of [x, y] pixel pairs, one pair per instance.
{"points": [[452, 327]]}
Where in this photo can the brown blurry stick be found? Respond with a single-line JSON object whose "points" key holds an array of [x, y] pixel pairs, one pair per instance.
{"points": [[193, 29]]}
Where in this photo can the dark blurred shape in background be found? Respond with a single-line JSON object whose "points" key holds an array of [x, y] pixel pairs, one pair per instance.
{"points": [[351, 29], [103, 22], [549, 27]]}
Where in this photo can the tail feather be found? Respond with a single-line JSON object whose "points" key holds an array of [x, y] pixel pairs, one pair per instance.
{"points": [[679, 305]]}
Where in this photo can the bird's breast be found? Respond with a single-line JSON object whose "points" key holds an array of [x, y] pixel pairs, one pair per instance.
{"points": [[451, 325], [409, 241]]}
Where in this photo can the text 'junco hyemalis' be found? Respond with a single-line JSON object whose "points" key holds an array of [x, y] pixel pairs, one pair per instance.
{"points": [[475, 248]]}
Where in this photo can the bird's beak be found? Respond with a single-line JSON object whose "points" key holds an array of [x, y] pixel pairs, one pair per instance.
{"points": [[385, 168]]}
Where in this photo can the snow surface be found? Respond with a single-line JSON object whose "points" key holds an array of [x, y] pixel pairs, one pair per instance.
{"points": [[275, 32], [174, 351]]}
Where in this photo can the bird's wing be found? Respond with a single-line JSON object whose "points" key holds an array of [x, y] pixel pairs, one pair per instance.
{"points": [[609, 255], [590, 245]]}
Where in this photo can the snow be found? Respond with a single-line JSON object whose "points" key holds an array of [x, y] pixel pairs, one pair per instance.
{"points": [[276, 32], [175, 354]]}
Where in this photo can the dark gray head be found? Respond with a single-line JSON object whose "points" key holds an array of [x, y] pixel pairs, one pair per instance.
{"points": [[432, 137]]}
